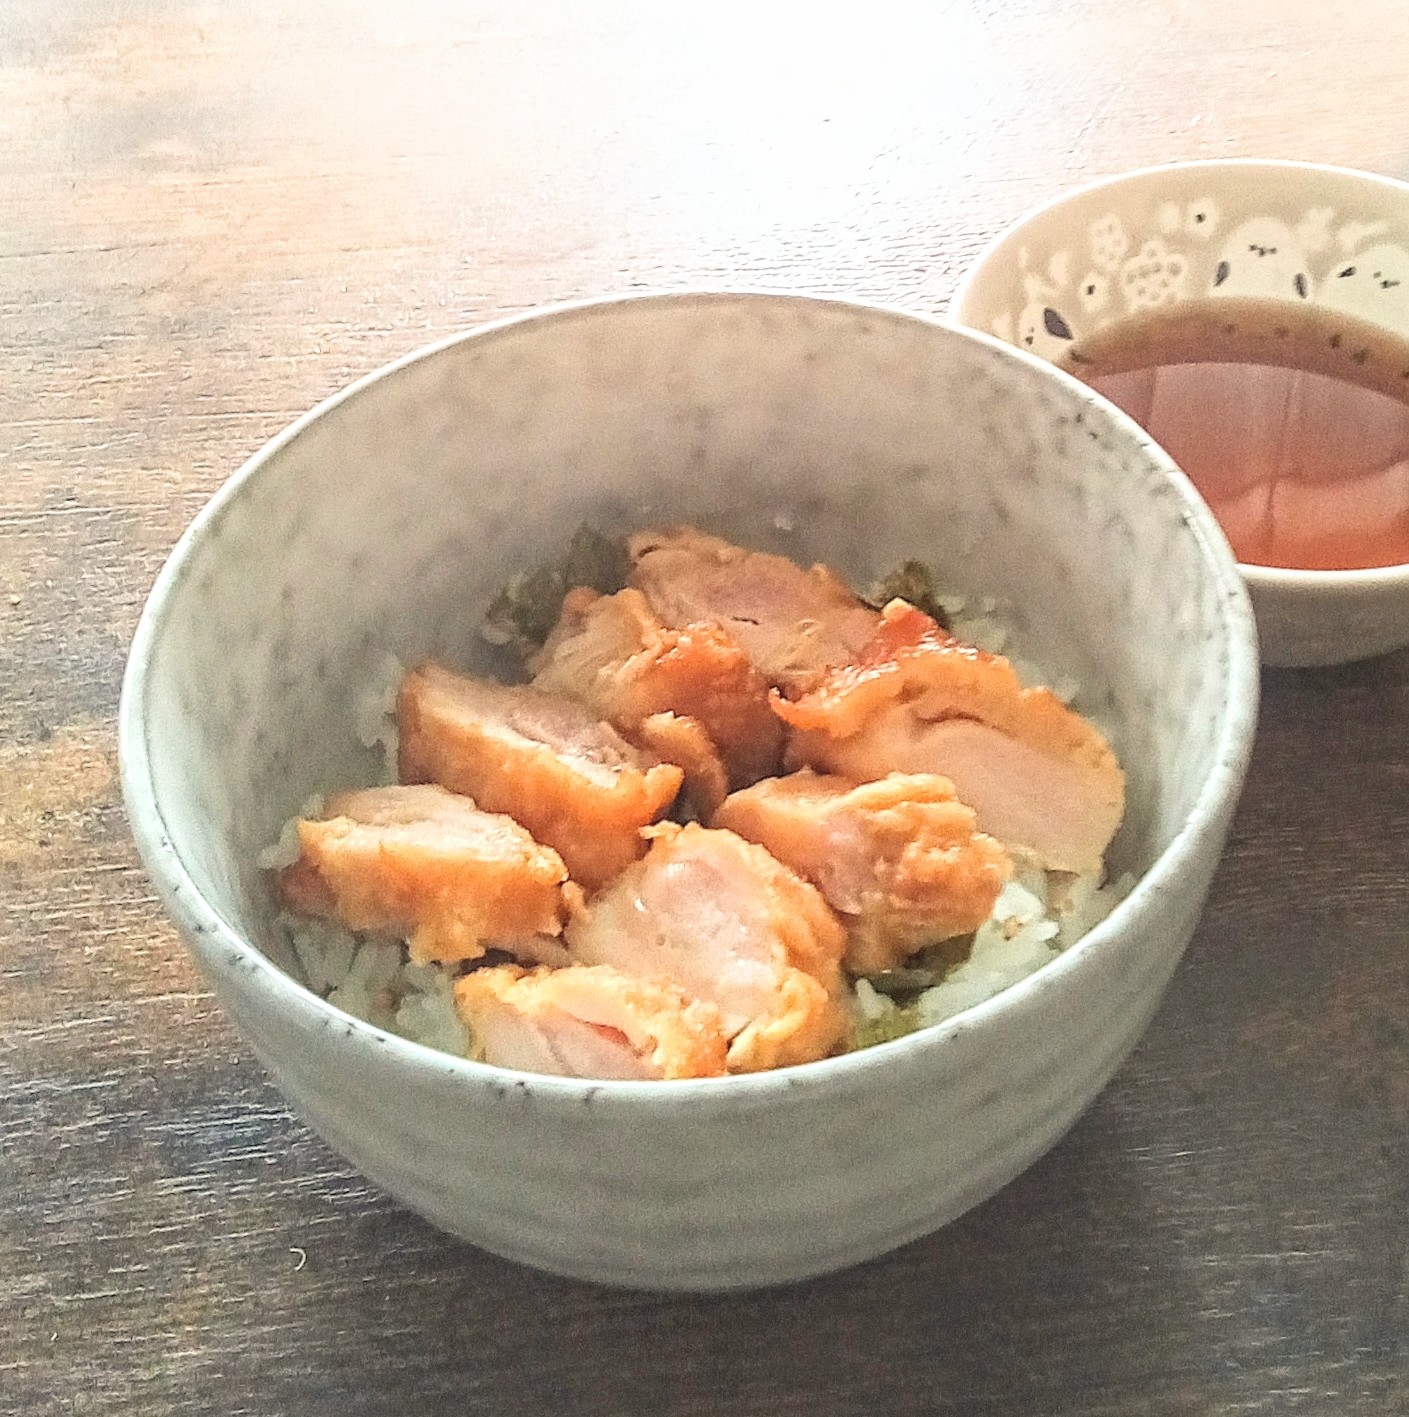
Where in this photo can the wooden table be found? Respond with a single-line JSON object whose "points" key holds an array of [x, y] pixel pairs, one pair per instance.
{"points": [[213, 215]]}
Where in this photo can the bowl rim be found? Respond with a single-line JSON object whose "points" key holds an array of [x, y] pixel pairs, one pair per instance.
{"points": [[223, 951], [1365, 580]]}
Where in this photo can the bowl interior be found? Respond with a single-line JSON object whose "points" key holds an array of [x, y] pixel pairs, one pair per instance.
{"points": [[385, 522]]}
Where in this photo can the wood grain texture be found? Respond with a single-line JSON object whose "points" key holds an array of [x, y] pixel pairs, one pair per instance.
{"points": [[213, 215]]}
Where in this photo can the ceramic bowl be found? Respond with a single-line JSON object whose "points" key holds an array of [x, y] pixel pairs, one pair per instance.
{"points": [[1197, 235], [386, 519]]}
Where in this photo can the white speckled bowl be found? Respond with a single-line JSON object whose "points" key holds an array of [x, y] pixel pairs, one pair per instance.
{"points": [[1289, 233], [386, 518]]}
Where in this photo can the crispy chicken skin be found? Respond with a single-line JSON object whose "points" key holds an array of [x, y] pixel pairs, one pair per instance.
{"points": [[545, 760], [684, 742], [588, 1022], [722, 920], [898, 859], [427, 863], [613, 653], [1037, 774], [793, 624]]}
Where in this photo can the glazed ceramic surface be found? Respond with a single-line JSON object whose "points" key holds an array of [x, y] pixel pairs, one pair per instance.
{"points": [[385, 521], [1281, 232]]}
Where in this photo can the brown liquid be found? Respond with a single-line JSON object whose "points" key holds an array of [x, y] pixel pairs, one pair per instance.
{"points": [[1294, 425]]}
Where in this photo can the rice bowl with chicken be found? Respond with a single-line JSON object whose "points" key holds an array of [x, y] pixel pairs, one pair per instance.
{"points": [[388, 519], [519, 893]]}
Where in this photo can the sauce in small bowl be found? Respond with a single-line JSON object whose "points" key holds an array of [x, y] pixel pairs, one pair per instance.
{"points": [[1293, 424], [1253, 317]]}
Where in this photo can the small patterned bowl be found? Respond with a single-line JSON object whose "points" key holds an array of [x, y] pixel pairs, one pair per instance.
{"points": [[1289, 233], [384, 521]]}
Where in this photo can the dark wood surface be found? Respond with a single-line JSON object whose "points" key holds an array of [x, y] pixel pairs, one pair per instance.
{"points": [[213, 215]]}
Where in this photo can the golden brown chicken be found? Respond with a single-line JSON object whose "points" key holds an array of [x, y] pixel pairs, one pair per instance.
{"points": [[793, 624], [1037, 774], [898, 859], [719, 918], [656, 684], [588, 1022], [547, 761], [426, 863]]}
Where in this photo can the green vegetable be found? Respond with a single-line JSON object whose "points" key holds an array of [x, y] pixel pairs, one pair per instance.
{"points": [[523, 614], [883, 1029], [913, 582], [896, 982]]}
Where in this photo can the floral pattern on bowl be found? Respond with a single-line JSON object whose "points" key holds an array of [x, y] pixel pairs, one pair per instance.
{"points": [[1131, 257], [1260, 231]]}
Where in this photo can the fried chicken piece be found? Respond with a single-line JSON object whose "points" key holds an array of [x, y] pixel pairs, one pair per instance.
{"points": [[719, 918], [546, 761], [1036, 773], [427, 863], [898, 859], [588, 1022], [613, 653], [684, 742], [793, 624]]}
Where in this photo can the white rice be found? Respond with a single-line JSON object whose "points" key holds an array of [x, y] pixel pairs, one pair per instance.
{"points": [[1037, 915], [372, 978], [376, 714], [285, 851]]}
